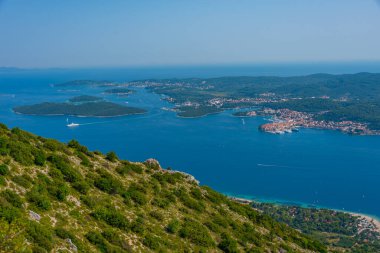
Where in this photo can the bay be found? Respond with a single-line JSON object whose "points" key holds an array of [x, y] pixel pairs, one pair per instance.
{"points": [[311, 167]]}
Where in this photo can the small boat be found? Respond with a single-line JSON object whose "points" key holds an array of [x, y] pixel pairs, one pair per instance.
{"points": [[72, 125]]}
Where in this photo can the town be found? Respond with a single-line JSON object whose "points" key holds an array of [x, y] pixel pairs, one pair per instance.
{"points": [[287, 121]]}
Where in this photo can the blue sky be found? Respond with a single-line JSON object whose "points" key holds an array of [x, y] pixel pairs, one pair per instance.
{"points": [[87, 33]]}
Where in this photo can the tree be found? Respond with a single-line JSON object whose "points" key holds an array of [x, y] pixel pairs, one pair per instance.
{"points": [[111, 156]]}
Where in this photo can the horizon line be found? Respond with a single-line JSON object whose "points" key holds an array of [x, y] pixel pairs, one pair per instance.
{"points": [[165, 66]]}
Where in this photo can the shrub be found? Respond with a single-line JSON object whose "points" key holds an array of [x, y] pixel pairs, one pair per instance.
{"points": [[173, 226], [191, 203], [137, 194], [63, 164], [39, 157], [40, 235], [38, 249], [21, 153], [12, 198], [112, 217], [214, 196], [228, 244], [53, 145], [98, 240], [138, 226], [161, 202], [84, 160], [23, 180], [76, 145], [55, 174], [97, 152], [196, 233], [3, 127], [111, 156], [59, 190], [4, 170], [196, 193], [63, 233], [3, 146], [128, 167], [157, 215], [107, 183], [81, 186], [8, 212], [114, 238], [2, 181], [39, 199], [151, 242], [89, 201], [167, 178]]}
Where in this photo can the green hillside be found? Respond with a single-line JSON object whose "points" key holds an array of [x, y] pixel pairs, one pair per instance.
{"points": [[57, 197]]}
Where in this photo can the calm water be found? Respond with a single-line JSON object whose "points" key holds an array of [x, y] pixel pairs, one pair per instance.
{"points": [[315, 167]]}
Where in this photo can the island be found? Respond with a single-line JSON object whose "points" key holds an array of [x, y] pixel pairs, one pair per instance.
{"points": [[119, 91], [349, 103], [84, 106], [93, 83], [84, 99]]}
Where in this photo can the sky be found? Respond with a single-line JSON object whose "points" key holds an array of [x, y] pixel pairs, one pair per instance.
{"points": [[104, 33]]}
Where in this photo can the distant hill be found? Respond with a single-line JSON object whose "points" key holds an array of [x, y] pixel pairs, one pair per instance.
{"points": [[84, 83], [356, 86], [354, 97], [57, 197]]}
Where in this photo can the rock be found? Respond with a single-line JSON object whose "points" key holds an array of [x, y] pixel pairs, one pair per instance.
{"points": [[71, 245], [152, 164], [187, 176], [34, 216]]}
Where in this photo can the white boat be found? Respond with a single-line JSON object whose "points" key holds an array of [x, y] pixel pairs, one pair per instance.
{"points": [[72, 125]]}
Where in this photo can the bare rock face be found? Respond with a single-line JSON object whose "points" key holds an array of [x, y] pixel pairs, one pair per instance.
{"points": [[152, 164], [34, 216], [72, 245]]}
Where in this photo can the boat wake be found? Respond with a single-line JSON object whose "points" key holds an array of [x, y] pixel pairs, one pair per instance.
{"points": [[277, 166]]}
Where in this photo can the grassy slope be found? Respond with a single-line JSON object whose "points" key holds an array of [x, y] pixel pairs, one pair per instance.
{"points": [[103, 204]]}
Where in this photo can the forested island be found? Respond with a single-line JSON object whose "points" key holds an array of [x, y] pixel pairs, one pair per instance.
{"points": [[85, 106], [350, 103]]}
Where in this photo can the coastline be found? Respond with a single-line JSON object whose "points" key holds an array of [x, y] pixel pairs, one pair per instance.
{"points": [[371, 219]]}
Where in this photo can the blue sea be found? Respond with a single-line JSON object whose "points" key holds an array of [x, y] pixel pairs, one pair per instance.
{"points": [[311, 167]]}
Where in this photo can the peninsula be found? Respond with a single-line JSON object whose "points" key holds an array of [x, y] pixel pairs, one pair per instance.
{"points": [[349, 103]]}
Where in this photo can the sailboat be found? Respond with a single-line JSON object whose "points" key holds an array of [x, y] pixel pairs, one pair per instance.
{"points": [[72, 124]]}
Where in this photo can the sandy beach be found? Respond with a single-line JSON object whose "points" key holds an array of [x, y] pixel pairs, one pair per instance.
{"points": [[371, 220]]}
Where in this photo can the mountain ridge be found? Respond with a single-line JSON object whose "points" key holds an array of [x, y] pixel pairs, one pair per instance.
{"points": [[63, 197]]}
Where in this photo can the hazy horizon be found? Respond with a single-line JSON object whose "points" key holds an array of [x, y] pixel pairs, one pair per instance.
{"points": [[88, 34]]}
